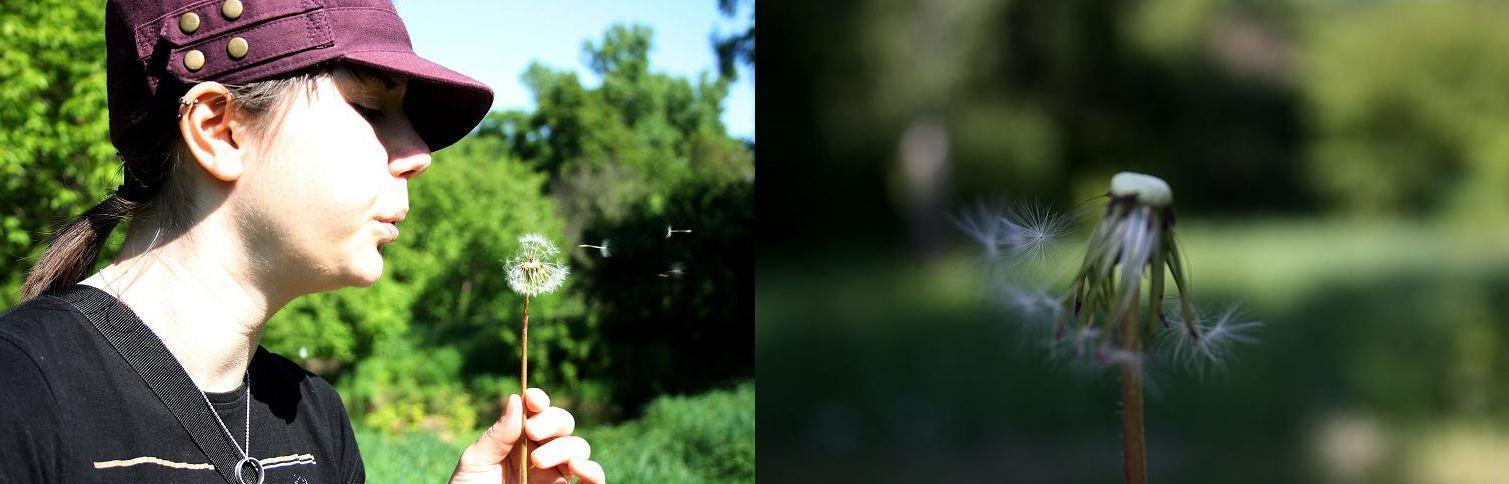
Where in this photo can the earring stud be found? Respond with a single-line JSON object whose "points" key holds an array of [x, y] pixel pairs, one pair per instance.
{"points": [[185, 103]]}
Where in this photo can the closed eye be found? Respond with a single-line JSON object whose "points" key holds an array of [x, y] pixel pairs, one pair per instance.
{"points": [[372, 115]]}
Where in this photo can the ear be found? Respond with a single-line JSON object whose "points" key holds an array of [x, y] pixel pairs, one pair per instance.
{"points": [[206, 122]]}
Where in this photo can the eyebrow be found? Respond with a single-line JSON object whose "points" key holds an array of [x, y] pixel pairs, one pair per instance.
{"points": [[386, 80], [367, 75]]}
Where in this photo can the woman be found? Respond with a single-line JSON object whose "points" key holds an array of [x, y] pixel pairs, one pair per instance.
{"points": [[267, 146]]}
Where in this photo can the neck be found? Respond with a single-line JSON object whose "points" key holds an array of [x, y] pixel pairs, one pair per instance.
{"points": [[196, 294]]}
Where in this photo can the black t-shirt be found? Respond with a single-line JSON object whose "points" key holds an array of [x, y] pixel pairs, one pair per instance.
{"points": [[73, 410]]}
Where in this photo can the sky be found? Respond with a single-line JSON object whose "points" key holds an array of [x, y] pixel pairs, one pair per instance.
{"points": [[493, 41]]}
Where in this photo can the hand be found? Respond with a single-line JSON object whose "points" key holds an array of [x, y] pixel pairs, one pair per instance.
{"points": [[554, 454]]}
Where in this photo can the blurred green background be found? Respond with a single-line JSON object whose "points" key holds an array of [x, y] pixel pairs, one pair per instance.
{"points": [[650, 349], [1340, 169]]}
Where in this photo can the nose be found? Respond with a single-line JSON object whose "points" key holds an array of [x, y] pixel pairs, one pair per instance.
{"points": [[408, 154], [411, 164]]}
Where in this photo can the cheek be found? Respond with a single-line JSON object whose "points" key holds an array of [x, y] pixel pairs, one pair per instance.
{"points": [[329, 172]]}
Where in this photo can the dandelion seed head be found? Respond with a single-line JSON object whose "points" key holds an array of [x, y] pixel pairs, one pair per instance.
{"points": [[1132, 252], [535, 270], [1148, 189]]}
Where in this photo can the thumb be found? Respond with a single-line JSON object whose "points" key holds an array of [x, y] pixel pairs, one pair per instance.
{"points": [[499, 439]]}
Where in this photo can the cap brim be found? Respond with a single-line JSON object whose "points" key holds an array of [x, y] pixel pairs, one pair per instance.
{"points": [[443, 105]]}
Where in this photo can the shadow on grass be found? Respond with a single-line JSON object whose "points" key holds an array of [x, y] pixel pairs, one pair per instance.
{"points": [[934, 392]]}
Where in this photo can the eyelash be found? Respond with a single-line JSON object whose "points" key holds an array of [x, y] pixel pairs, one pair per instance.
{"points": [[369, 113]]}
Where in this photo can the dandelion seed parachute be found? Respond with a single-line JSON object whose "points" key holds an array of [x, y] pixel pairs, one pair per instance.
{"points": [[604, 250], [1218, 334], [1014, 234]]}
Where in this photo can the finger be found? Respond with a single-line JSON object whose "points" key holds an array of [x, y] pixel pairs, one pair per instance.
{"points": [[557, 451], [553, 422], [549, 475], [537, 400], [589, 471], [498, 439]]}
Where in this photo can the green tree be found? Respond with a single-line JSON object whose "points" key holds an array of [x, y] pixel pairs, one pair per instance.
{"points": [[1408, 105], [738, 47], [633, 138], [55, 153]]}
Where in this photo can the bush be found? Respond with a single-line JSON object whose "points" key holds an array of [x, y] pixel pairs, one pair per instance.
{"points": [[704, 438]]}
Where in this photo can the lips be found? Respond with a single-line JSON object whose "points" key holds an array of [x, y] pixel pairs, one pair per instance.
{"points": [[390, 232]]}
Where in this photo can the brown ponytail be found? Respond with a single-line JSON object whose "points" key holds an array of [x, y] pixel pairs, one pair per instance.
{"points": [[75, 245]]}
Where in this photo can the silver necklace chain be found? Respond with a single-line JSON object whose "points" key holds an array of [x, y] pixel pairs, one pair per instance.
{"points": [[245, 453]]}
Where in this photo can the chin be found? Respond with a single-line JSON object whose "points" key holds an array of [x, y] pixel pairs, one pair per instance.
{"points": [[368, 269]]}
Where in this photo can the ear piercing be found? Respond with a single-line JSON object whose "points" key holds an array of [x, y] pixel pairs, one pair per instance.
{"points": [[185, 104]]}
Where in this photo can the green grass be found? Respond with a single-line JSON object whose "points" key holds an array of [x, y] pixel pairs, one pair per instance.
{"points": [[700, 438]]}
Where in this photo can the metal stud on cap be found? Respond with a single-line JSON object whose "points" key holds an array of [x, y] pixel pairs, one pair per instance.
{"points": [[194, 60], [231, 9], [188, 22], [237, 48]]}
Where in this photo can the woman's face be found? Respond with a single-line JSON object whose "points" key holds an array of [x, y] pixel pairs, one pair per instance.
{"points": [[325, 188]]}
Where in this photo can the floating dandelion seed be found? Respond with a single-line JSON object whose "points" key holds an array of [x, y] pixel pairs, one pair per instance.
{"points": [[1015, 234], [601, 249], [1034, 229], [533, 272], [669, 231], [676, 271], [984, 224]]}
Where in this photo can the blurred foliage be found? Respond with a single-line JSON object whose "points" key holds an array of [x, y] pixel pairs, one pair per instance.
{"points": [[737, 47], [56, 159], [1279, 108], [1409, 106], [433, 345]]}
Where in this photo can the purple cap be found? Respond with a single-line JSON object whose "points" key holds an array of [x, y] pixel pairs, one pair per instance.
{"points": [[157, 49]]}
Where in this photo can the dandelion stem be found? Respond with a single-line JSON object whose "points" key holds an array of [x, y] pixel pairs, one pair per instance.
{"points": [[523, 385], [1134, 450]]}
